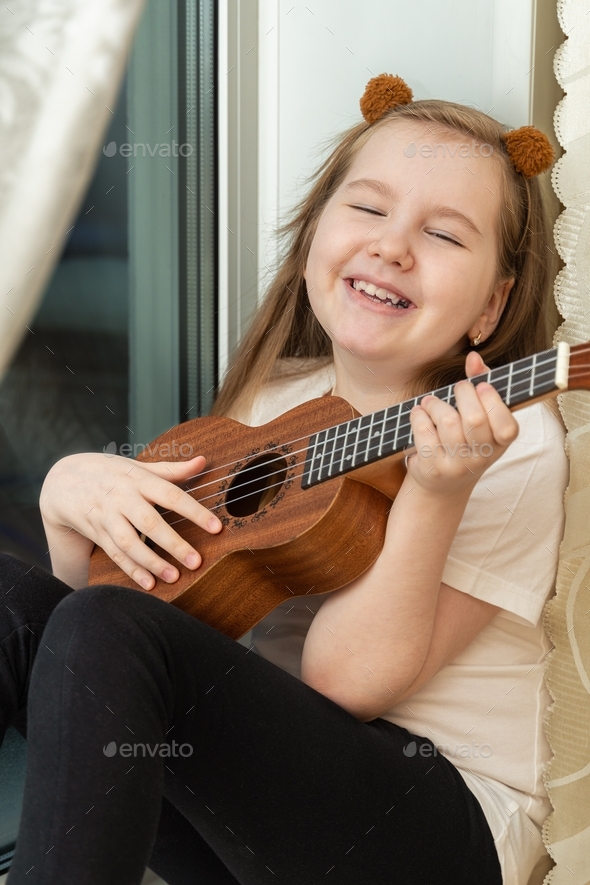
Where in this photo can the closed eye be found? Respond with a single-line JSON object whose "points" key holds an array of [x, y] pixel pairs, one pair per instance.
{"points": [[370, 211], [443, 237], [384, 214]]}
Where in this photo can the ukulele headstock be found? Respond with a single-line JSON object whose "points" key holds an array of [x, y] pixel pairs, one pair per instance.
{"points": [[579, 367]]}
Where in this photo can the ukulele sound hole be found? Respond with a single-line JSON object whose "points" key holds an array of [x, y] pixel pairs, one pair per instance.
{"points": [[256, 485]]}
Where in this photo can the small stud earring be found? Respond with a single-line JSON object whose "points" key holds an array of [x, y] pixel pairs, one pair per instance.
{"points": [[476, 340]]}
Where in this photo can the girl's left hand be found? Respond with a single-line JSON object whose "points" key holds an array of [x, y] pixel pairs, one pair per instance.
{"points": [[454, 446]]}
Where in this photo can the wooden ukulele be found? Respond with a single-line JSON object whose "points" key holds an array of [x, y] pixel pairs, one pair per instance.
{"points": [[304, 499]]}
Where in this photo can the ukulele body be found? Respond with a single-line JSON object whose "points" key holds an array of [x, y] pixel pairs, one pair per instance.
{"points": [[278, 540]]}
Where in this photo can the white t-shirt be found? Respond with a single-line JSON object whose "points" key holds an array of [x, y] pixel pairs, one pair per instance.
{"points": [[484, 711]]}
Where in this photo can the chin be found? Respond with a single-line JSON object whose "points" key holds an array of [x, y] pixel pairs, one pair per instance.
{"points": [[365, 351]]}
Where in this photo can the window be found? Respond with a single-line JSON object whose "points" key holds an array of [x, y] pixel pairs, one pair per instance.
{"points": [[124, 344]]}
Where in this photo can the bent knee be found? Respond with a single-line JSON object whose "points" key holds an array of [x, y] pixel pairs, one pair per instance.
{"points": [[101, 604], [13, 571], [99, 597], [33, 593], [101, 624]]}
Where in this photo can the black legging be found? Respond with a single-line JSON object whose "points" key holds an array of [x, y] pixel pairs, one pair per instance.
{"points": [[267, 781]]}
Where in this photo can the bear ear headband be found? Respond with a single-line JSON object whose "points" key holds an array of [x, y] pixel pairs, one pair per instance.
{"points": [[529, 149]]}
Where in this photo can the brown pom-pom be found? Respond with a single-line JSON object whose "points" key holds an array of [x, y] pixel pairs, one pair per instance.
{"points": [[382, 93], [530, 150]]}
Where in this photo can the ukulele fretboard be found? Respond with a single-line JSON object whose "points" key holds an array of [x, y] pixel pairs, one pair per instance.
{"points": [[345, 447]]}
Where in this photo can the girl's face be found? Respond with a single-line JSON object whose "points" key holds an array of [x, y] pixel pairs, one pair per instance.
{"points": [[418, 228]]}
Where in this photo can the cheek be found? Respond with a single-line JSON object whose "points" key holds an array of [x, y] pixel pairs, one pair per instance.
{"points": [[456, 291], [324, 242], [313, 302], [315, 248], [320, 308]]}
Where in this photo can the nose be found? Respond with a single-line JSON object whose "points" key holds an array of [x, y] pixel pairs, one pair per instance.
{"points": [[392, 245]]}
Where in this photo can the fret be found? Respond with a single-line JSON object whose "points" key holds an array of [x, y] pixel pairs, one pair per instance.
{"points": [[356, 442], [403, 425], [410, 440], [306, 478], [368, 446], [341, 444], [508, 390], [405, 439], [443, 393], [328, 450], [545, 378], [378, 434], [349, 444], [362, 441], [498, 381], [485, 376], [532, 385], [368, 438], [314, 455], [397, 421], [319, 455], [310, 460], [541, 380], [389, 429], [331, 439], [521, 382]]}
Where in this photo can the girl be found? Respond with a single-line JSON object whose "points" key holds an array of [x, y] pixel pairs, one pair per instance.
{"points": [[390, 730]]}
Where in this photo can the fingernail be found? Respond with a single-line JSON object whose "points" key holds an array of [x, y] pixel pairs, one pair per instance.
{"points": [[192, 560], [146, 583], [169, 574], [214, 524]]}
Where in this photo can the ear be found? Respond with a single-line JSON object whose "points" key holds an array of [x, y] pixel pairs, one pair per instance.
{"points": [[490, 316]]}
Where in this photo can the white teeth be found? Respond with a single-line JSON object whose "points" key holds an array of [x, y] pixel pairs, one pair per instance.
{"points": [[370, 289], [383, 293]]}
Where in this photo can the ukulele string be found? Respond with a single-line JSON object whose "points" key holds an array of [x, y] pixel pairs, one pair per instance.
{"points": [[296, 452], [258, 480], [274, 485], [337, 451], [217, 480], [541, 363]]}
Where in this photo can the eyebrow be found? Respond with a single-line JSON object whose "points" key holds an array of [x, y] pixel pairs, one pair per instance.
{"points": [[380, 187], [383, 189]]}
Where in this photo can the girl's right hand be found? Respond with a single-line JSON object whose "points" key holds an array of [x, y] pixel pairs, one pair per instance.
{"points": [[109, 499]]}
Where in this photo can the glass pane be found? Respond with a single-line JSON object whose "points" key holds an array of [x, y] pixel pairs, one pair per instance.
{"points": [[67, 388]]}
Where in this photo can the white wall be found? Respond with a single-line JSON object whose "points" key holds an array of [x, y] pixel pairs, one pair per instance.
{"points": [[315, 59]]}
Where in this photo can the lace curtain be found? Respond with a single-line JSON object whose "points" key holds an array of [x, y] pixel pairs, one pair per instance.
{"points": [[61, 64], [567, 616]]}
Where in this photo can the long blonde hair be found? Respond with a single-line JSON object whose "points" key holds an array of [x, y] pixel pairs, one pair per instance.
{"points": [[285, 337]]}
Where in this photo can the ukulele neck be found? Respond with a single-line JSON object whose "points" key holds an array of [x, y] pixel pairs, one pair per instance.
{"points": [[345, 447]]}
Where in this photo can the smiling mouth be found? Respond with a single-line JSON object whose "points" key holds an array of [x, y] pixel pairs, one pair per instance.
{"points": [[380, 296]]}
